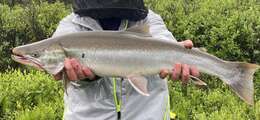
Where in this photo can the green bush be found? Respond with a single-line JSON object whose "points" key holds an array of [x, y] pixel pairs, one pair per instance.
{"points": [[51, 111], [31, 94], [12, 3], [212, 103], [21, 25], [229, 29]]}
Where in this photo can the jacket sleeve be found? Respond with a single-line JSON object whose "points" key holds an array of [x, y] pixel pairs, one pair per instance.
{"points": [[66, 26], [157, 27]]}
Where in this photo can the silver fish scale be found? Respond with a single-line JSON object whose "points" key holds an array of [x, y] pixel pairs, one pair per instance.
{"points": [[122, 62]]}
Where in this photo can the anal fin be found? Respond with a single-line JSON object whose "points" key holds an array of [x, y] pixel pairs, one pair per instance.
{"points": [[139, 83]]}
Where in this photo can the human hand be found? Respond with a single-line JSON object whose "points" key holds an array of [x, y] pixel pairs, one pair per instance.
{"points": [[182, 71], [75, 71]]}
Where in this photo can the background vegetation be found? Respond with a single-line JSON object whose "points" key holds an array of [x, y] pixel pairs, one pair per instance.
{"points": [[229, 29]]}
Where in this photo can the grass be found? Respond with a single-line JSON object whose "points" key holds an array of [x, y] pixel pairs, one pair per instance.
{"points": [[35, 95]]}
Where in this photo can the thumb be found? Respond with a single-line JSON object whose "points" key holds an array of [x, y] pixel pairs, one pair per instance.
{"points": [[163, 73], [187, 44]]}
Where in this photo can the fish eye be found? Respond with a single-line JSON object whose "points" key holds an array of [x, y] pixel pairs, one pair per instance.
{"points": [[35, 55]]}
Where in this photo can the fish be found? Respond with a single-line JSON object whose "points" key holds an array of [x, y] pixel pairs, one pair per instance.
{"points": [[132, 54]]}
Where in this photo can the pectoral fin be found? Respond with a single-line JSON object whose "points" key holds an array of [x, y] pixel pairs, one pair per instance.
{"points": [[197, 81], [139, 83], [54, 68]]}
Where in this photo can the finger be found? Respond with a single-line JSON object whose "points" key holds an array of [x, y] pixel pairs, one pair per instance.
{"points": [[187, 44], [58, 76], [185, 73], [77, 68], [164, 73], [88, 73], [176, 71], [194, 71], [69, 70]]}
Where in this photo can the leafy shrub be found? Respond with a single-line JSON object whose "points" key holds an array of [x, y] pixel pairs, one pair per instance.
{"points": [[12, 3], [29, 95], [20, 25], [212, 103], [227, 28], [51, 111], [32, 94]]}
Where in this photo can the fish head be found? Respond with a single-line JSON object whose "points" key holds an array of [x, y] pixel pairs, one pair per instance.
{"points": [[46, 57]]}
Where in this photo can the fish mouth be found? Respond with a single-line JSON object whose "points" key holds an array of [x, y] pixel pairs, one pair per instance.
{"points": [[27, 60]]}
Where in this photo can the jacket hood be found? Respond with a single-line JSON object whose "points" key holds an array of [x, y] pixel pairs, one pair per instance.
{"points": [[100, 9]]}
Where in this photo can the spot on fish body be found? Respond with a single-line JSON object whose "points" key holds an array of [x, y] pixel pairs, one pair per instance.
{"points": [[83, 55]]}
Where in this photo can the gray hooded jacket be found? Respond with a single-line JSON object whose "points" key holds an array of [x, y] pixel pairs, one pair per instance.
{"points": [[114, 98]]}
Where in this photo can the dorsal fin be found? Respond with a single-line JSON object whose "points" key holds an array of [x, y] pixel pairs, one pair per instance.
{"points": [[143, 29], [203, 49]]}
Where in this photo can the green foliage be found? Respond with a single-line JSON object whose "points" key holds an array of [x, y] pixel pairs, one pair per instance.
{"points": [[25, 94], [30, 95], [212, 103], [50, 111], [12, 3], [229, 29], [20, 25]]}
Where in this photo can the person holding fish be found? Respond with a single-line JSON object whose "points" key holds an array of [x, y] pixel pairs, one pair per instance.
{"points": [[116, 54], [91, 97]]}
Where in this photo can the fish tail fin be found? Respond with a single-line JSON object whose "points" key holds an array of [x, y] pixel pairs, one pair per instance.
{"points": [[241, 81]]}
